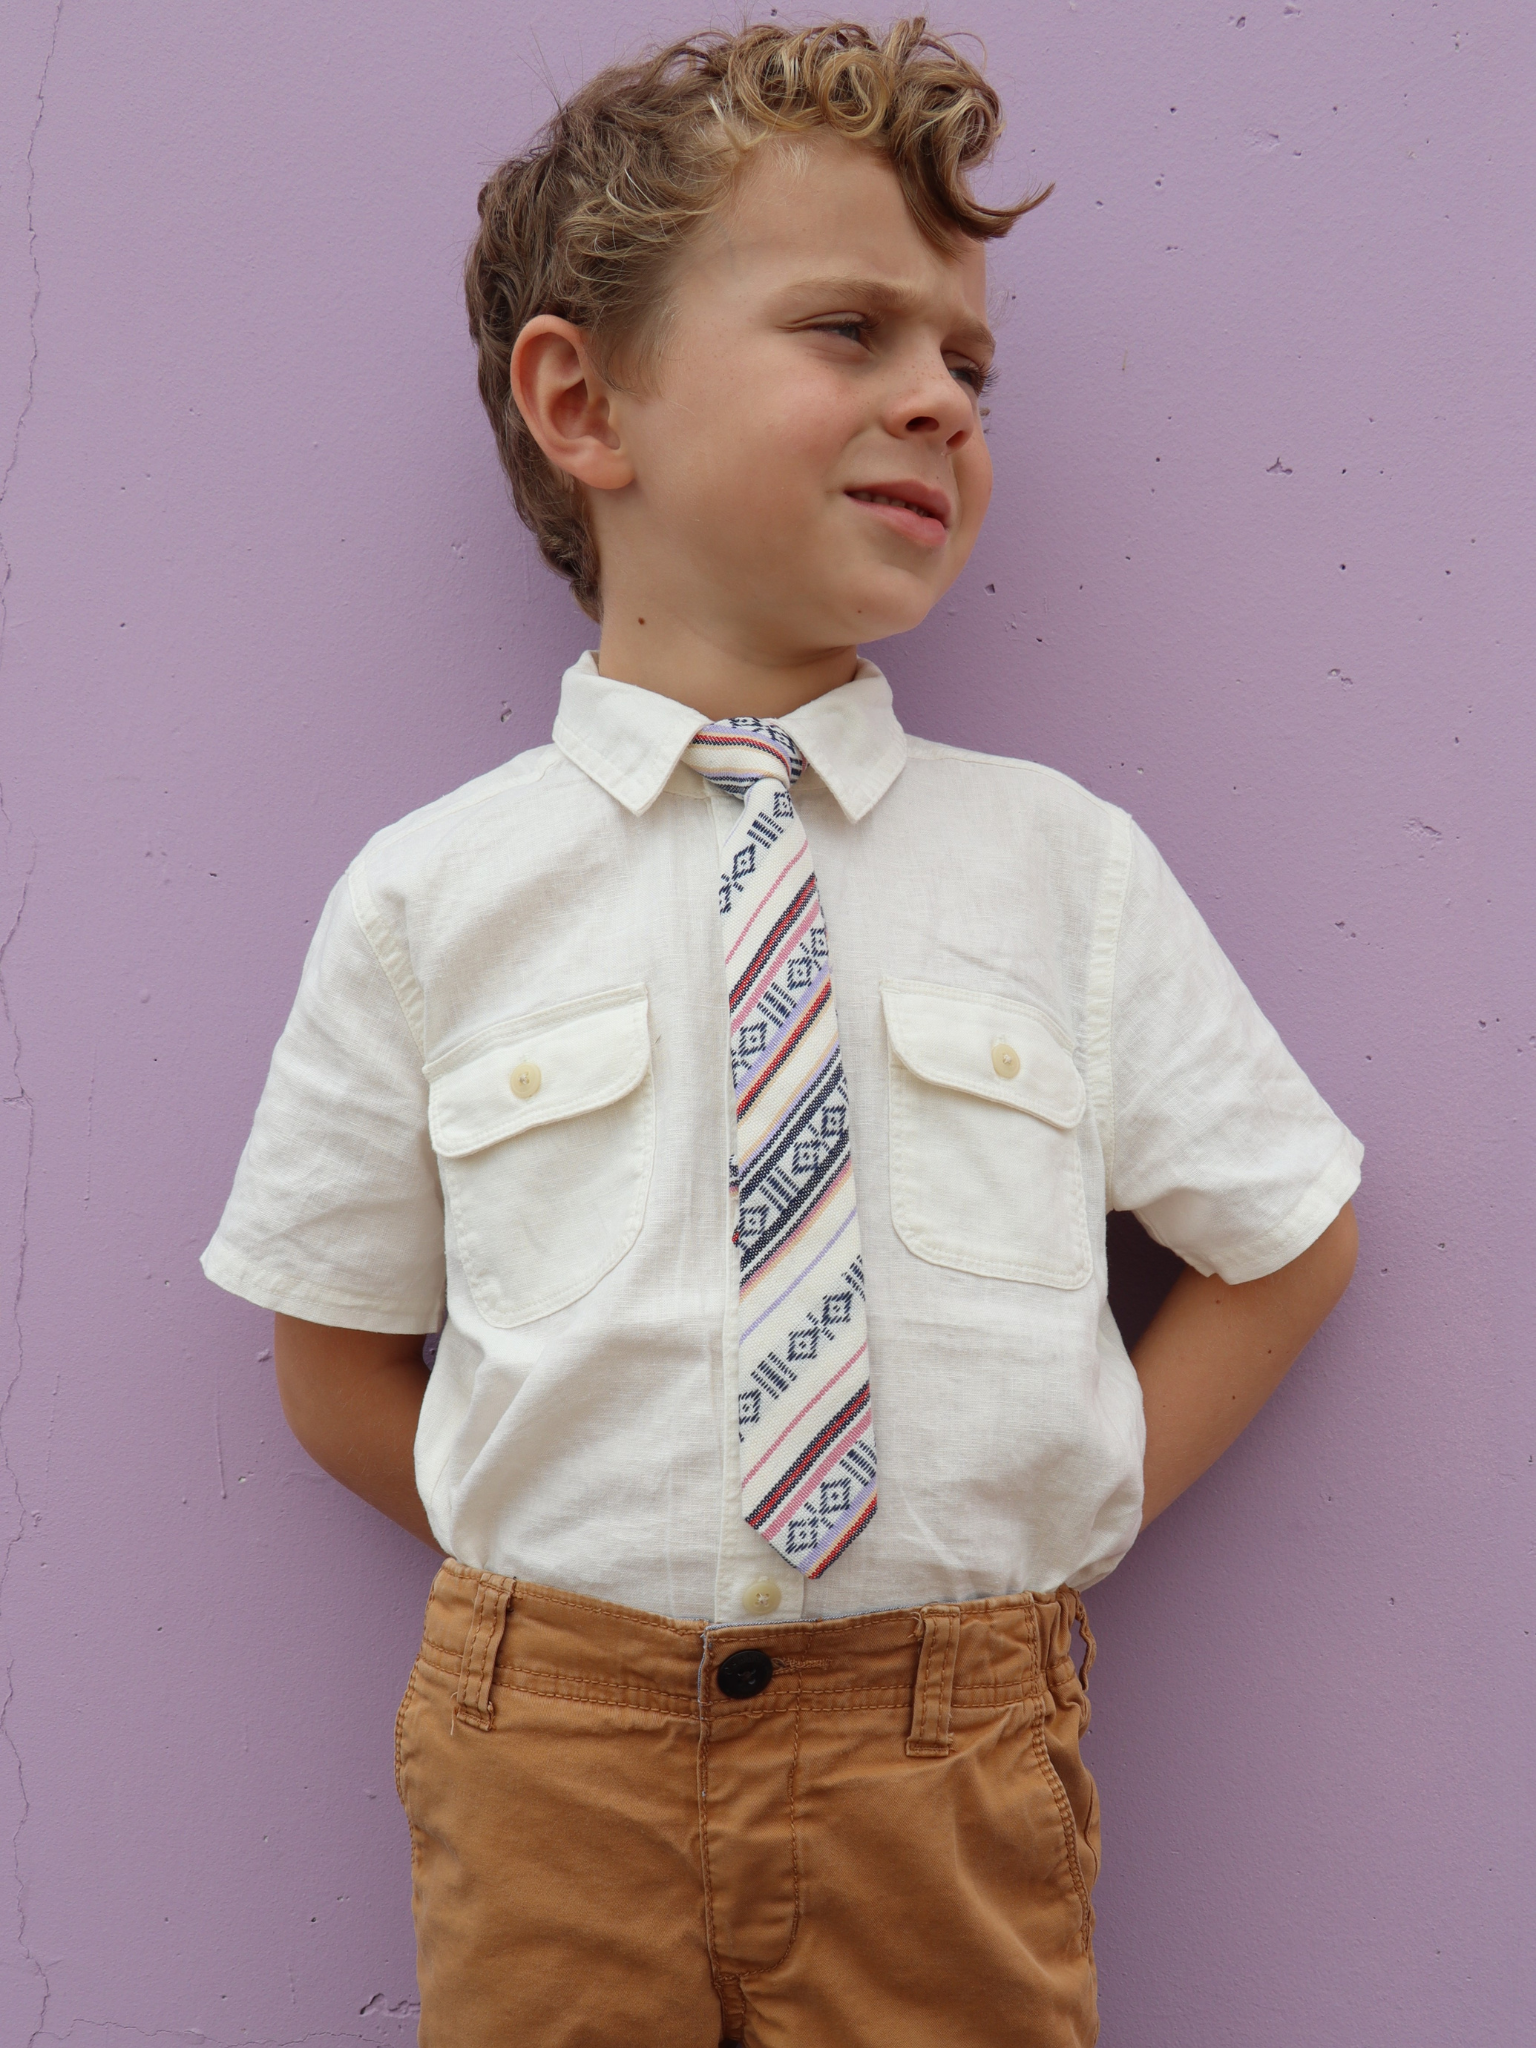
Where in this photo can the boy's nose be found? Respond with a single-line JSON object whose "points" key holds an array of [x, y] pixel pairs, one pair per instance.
{"points": [[935, 406], [954, 426]]}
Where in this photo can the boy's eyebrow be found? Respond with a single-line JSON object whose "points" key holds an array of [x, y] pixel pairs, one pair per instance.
{"points": [[881, 296]]}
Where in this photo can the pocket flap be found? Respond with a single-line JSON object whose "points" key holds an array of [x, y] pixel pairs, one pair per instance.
{"points": [[1005, 1052], [528, 1071]]}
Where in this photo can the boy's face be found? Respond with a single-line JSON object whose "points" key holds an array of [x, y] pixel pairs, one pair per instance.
{"points": [[819, 356]]}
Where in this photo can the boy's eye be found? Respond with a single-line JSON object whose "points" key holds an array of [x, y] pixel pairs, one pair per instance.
{"points": [[974, 375], [853, 328]]}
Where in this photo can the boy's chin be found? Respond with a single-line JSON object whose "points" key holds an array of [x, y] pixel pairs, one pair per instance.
{"points": [[880, 615]]}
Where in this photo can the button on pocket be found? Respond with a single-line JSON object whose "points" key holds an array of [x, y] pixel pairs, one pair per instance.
{"points": [[986, 1171], [545, 1129]]}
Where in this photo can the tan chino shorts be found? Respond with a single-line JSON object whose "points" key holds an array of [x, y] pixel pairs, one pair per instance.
{"points": [[631, 1832]]}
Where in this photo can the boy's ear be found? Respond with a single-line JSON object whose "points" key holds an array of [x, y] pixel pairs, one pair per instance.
{"points": [[564, 400]]}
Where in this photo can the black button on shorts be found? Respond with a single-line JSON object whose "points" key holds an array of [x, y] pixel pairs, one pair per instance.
{"points": [[744, 1674]]}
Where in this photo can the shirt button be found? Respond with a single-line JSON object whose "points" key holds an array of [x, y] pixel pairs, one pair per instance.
{"points": [[761, 1597], [1004, 1060], [525, 1080]]}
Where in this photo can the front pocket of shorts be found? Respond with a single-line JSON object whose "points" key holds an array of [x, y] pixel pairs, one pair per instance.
{"points": [[1071, 1717], [1075, 1798], [547, 1183], [400, 1719], [986, 1170]]}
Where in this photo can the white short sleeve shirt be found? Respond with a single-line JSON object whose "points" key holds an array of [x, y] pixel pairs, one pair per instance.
{"points": [[502, 1107]]}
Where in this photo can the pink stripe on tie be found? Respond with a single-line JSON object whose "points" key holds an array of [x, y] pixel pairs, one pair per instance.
{"points": [[798, 1500], [820, 1395]]}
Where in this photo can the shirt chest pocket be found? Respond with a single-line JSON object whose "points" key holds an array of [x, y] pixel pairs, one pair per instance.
{"points": [[545, 1131], [986, 1170]]}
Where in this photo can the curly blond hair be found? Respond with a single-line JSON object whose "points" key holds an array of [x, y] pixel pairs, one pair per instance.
{"points": [[586, 224]]}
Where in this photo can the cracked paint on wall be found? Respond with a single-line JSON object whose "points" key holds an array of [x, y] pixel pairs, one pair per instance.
{"points": [[23, 1976], [1257, 567]]}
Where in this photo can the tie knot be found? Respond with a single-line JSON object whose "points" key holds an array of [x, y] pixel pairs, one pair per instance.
{"points": [[735, 753]]}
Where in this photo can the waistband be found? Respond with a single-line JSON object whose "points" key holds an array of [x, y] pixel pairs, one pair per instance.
{"points": [[493, 1634]]}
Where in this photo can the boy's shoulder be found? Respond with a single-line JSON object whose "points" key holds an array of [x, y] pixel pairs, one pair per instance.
{"points": [[541, 795], [481, 805], [1036, 798], [1051, 782]]}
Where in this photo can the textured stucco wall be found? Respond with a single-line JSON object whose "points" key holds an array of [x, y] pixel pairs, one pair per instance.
{"points": [[1259, 567]]}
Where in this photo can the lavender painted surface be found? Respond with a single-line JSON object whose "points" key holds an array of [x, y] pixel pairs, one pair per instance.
{"points": [[1258, 567]]}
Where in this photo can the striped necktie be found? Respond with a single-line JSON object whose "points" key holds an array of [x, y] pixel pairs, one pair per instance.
{"points": [[807, 1443]]}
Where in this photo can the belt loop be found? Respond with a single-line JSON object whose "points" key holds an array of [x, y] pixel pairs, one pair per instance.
{"points": [[477, 1664], [934, 1686]]}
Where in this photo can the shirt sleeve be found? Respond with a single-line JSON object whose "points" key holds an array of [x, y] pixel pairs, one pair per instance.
{"points": [[1222, 1147], [336, 1213]]}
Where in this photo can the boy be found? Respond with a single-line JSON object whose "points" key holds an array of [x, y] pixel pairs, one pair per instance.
{"points": [[741, 1085]]}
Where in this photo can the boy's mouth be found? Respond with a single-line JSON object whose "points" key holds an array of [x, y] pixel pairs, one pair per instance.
{"points": [[915, 510]]}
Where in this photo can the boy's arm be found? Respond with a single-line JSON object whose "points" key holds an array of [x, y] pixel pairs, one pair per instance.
{"points": [[1210, 1359], [353, 1398], [1213, 1354]]}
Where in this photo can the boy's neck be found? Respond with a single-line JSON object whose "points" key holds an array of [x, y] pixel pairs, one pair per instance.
{"points": [[718, 681]]}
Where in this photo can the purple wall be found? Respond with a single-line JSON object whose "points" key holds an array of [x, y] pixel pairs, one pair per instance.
{"points": [[1259, 567]]}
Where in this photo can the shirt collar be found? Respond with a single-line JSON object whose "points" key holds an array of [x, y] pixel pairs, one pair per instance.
{"points": [[630, 740]]}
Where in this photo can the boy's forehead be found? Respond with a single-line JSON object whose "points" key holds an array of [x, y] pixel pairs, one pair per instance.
{"points": [[817, 212]]}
